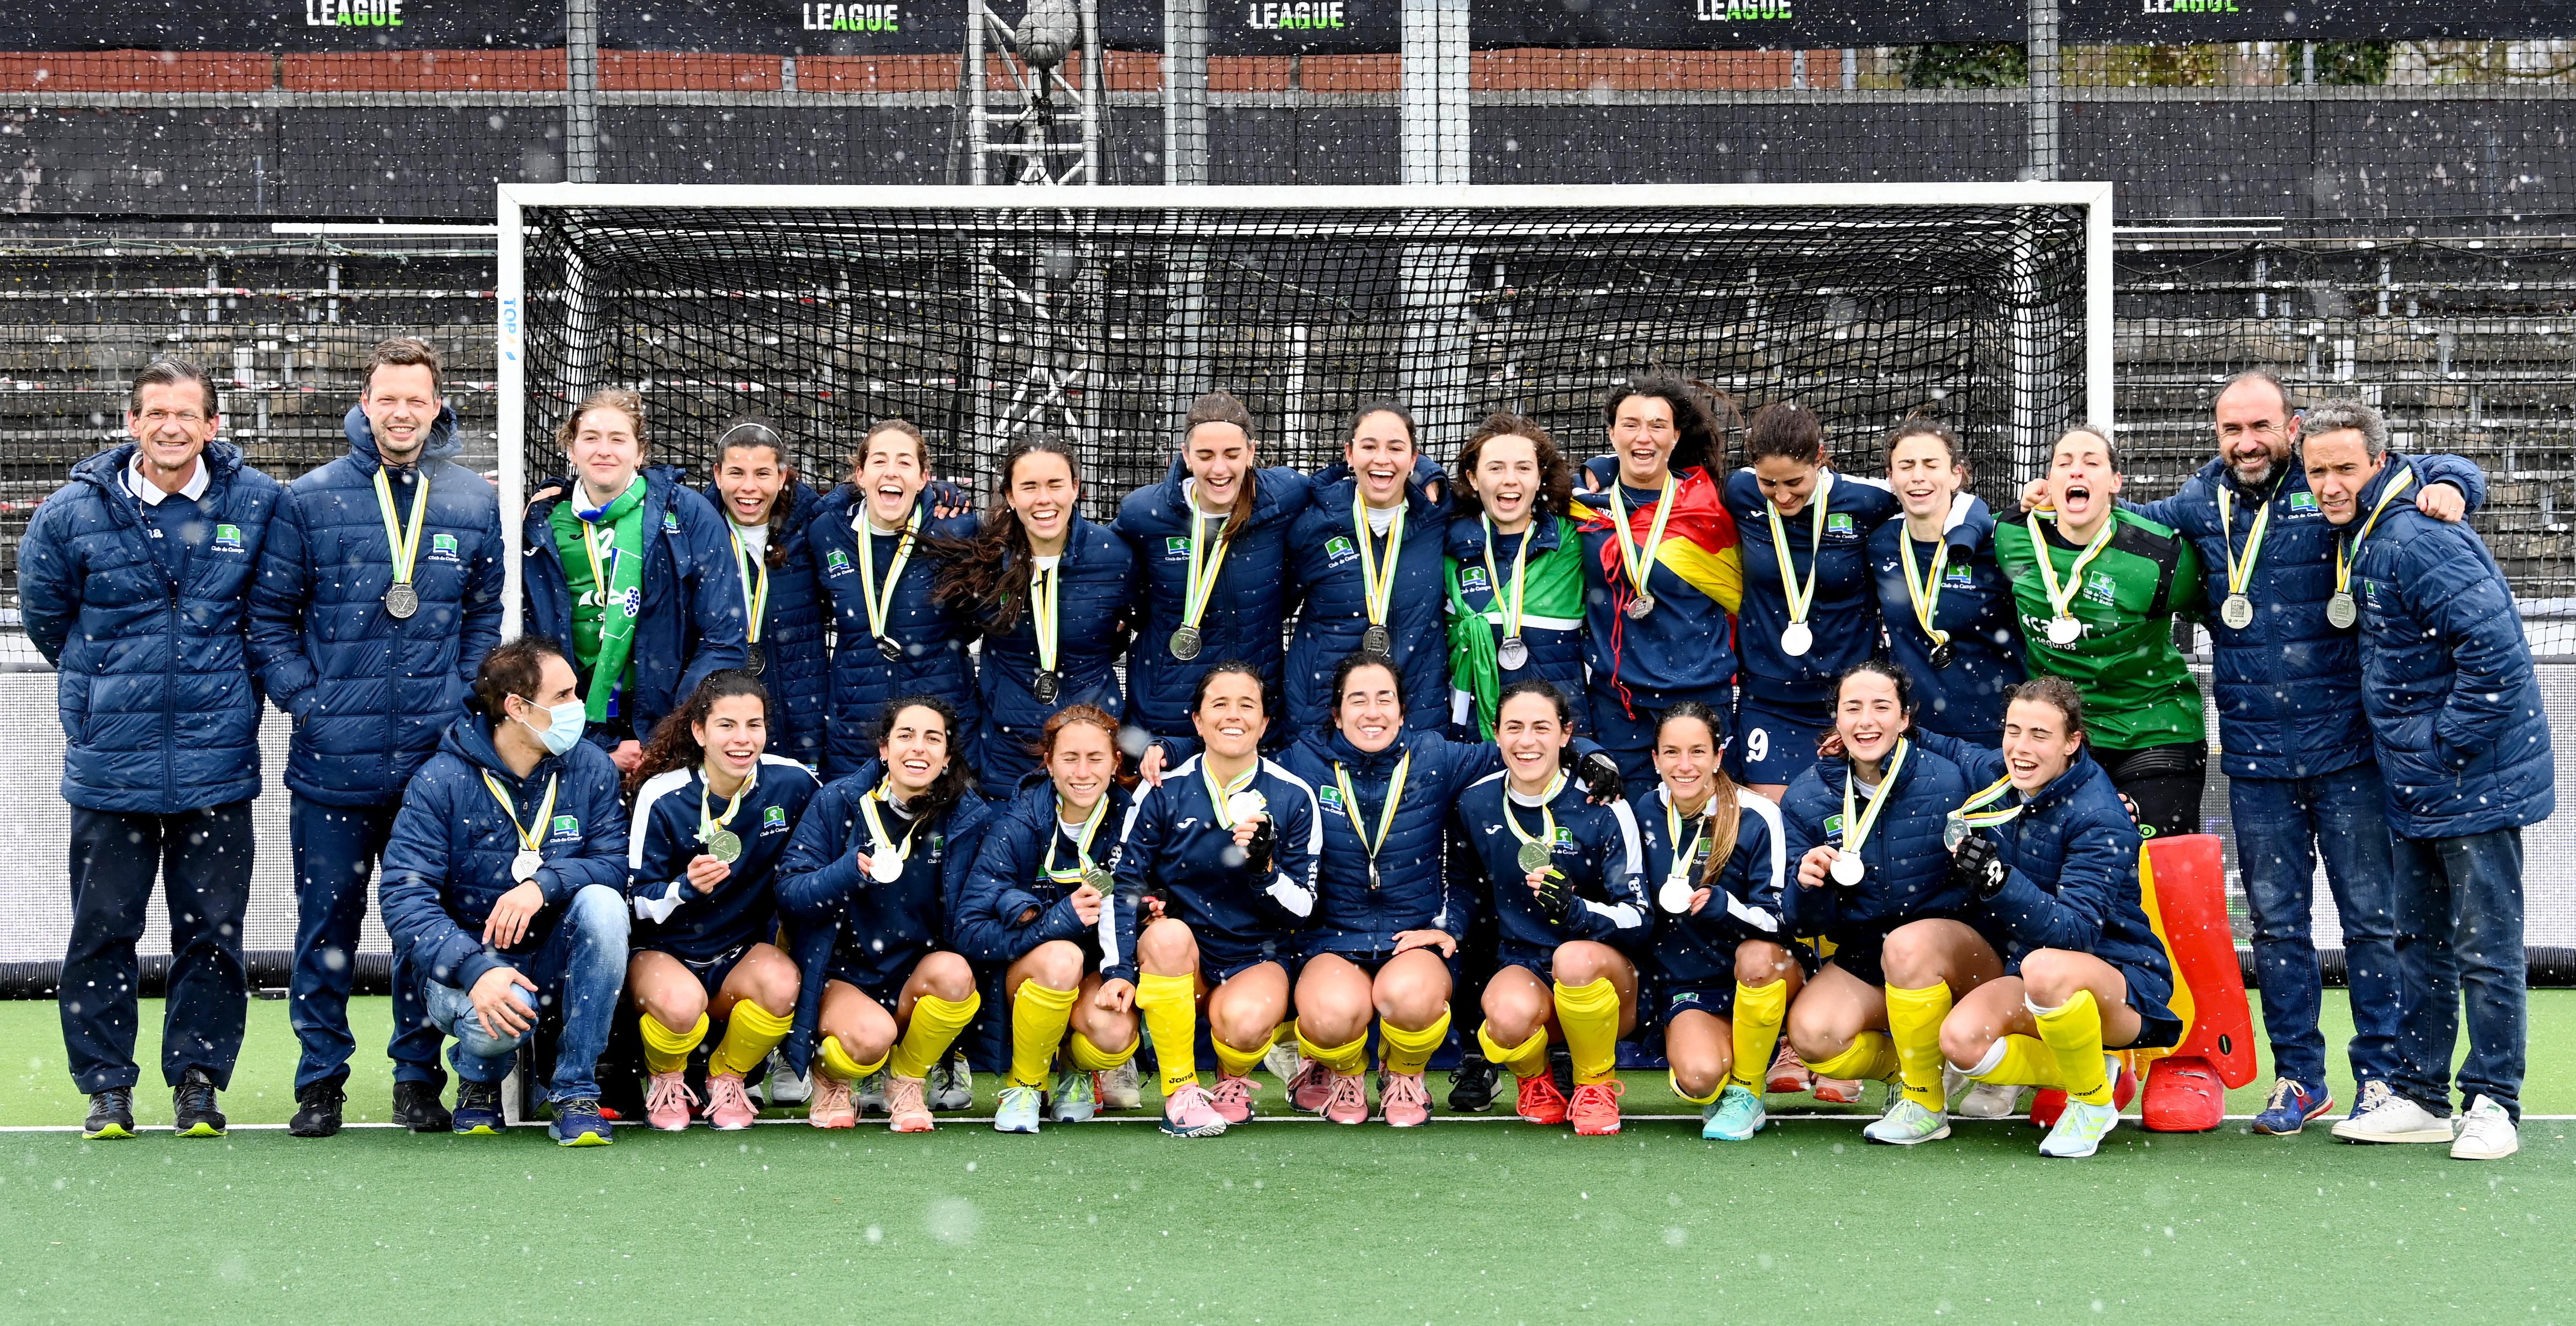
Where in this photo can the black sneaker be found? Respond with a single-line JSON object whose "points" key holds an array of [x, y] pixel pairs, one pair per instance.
{"points": [[1560, 1066], [111, 1114], [317, 1109], [1471, 1085], [416, 1107], [192, 1106]]}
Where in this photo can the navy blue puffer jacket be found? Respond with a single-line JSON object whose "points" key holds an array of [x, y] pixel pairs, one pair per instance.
{"points": [[372, 694], [2446, 676], [1009, 878], [158, 709], [2287, 687], [448, 861], [794, 665], [1096, 589], [933, 658], [1908, 875], [692, 623], [1245, 612], [1332, 603], [1412, 891]]}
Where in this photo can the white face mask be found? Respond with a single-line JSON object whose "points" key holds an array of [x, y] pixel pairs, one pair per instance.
{"points": [[563, 725]]}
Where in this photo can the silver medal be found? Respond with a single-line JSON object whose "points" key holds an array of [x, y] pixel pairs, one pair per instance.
{"points": [[402, 600], [1676, 895], [885, 867], [2342, 611], [1045, 686], [1534, 856], [725, 845], [2237, 612], [1244, 805], [886, 645], [1639, 606], [1847, 869], [1185, 643], [1376, 640], [752, 660], [1514, 653], [1796, 640], [523, 867], [2064, 631], [1954, 831], [1098, 878]]}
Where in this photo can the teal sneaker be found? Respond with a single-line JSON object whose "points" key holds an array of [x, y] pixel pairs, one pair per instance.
{"points": [[1735, 1116], [1075, 1100], [2079, 1130], [1908, 1124], [1018, 1110]]}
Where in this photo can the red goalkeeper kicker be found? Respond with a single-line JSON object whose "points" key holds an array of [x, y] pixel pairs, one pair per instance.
{"points": [[2185, 889]]}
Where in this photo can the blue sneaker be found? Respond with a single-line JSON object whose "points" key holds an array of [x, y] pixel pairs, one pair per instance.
{"points": [[578, 1123], [478, 1109], [2293, 1103], [1735, 1116]]}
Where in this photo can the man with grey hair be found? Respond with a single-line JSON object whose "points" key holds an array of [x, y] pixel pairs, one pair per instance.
{"points": [[2456, 719]]}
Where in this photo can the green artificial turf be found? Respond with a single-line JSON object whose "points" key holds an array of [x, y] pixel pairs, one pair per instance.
{"points": [[1282, 1220]]}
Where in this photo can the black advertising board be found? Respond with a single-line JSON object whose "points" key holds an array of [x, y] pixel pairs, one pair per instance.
{"points": [[283, 25]]}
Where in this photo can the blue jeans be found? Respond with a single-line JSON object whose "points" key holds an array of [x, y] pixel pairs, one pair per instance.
{"points": [[2459, 933], [2281, 824], [336, 848], [580, 970]]}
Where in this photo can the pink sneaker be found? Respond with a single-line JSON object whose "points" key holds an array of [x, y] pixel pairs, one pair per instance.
{"points": [[1232, 1098], [728, 1109], [667, 1099], [1310, 1088], [904, 1105], [1404, 1101], [1348, 1099], [1787, 1074], [830, 1106], [1187, 1112]]}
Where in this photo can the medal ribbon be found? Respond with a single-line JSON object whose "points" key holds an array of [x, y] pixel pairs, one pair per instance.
{"points": [[1546, 814], [1968, 814], [1045, 592], [2238, 573], [406, 549], [882, 604], [1640, 565], [1925, 590], [1377, 584], [528, 842], [755, 593], [1673, 834], [2061, 601], [2343, 551], [1081, 844], [1856, 826], [708, 824], [1201, 584], [876, 826], [1801, 596], [1385, 814], [1511, 607], [1217, 795]]}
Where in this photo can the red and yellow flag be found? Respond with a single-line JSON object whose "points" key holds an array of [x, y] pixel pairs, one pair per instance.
{"points": [[1699, 540]]}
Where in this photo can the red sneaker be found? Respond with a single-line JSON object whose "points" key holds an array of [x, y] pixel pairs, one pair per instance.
{"points": [[1232, 1099], [1309, 1087], [2184, 1095], [1540, 1101], [1788, 1076], [1595, 1110], [1837, 1090]]}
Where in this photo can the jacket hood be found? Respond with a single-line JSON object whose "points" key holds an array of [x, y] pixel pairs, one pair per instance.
{"points": [[802, 502], [445, 442], [1467, 533], [1334, 748], [2068, 785], [470, 739], [1265, 497], [221, 457]]}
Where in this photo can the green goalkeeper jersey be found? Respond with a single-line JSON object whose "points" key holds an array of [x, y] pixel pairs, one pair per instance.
{"points": [[2137, 689]]}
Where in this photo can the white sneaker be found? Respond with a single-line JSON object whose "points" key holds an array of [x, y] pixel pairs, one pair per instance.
{"points": [[1990, 1100], [870, 1094], [952, 1084], [2486, 1132], [784, 1085], [2385, 1116], [1908, 1124], [1120, 1088], [1283, 1060]]}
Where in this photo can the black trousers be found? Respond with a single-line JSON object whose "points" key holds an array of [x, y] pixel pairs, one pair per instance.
{"points": [[203, 858], [2163, 782]]}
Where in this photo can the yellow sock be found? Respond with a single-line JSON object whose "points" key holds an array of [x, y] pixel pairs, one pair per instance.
{"points": [[2019, 1061], [1285, 1033], [665, 1050], [836, 1061], [1589, 1017], [935, 1025], [1676, 1082], [1351, 1058], [1914, 1024], [1401, 1052], [1039, 1015], [1759, 1010], [2074, 1034], [751, 1032], [1171, 1005], [1527, 1059], [1233, 1062], [1091, 1058], [1871, 1058]]}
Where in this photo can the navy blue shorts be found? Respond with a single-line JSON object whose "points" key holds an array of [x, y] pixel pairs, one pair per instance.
{"points": [[1627, 732], [1218, 969], [1371, 963], [2158, 1028], [1669, 999], [711, 972], [1773, 743], [1541, 963]]}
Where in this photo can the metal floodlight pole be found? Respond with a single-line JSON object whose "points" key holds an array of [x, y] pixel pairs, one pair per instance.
{"points": [[2041, 52], [1185, 81], [1432, 124], [581, 80]]}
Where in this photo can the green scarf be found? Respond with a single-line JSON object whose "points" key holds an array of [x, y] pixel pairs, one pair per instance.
{"points": [[1552, 587], [601, 635]]}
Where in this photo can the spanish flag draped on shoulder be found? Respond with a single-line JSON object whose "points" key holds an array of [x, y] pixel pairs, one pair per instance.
{"points": [[1684, 648]]}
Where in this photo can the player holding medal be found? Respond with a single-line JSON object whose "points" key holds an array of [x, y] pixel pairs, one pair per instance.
{"points": [[1211, 552], [865, 883], [877, 540], [1947, 606], [1659, 609], [1864, 827], [1809, 606], [1566, 880], [2098, 588], [1216, 874], [1365, 558], [1515, 573], [713, 812], [1035, 902], [768, 510], [1050, 591]]}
